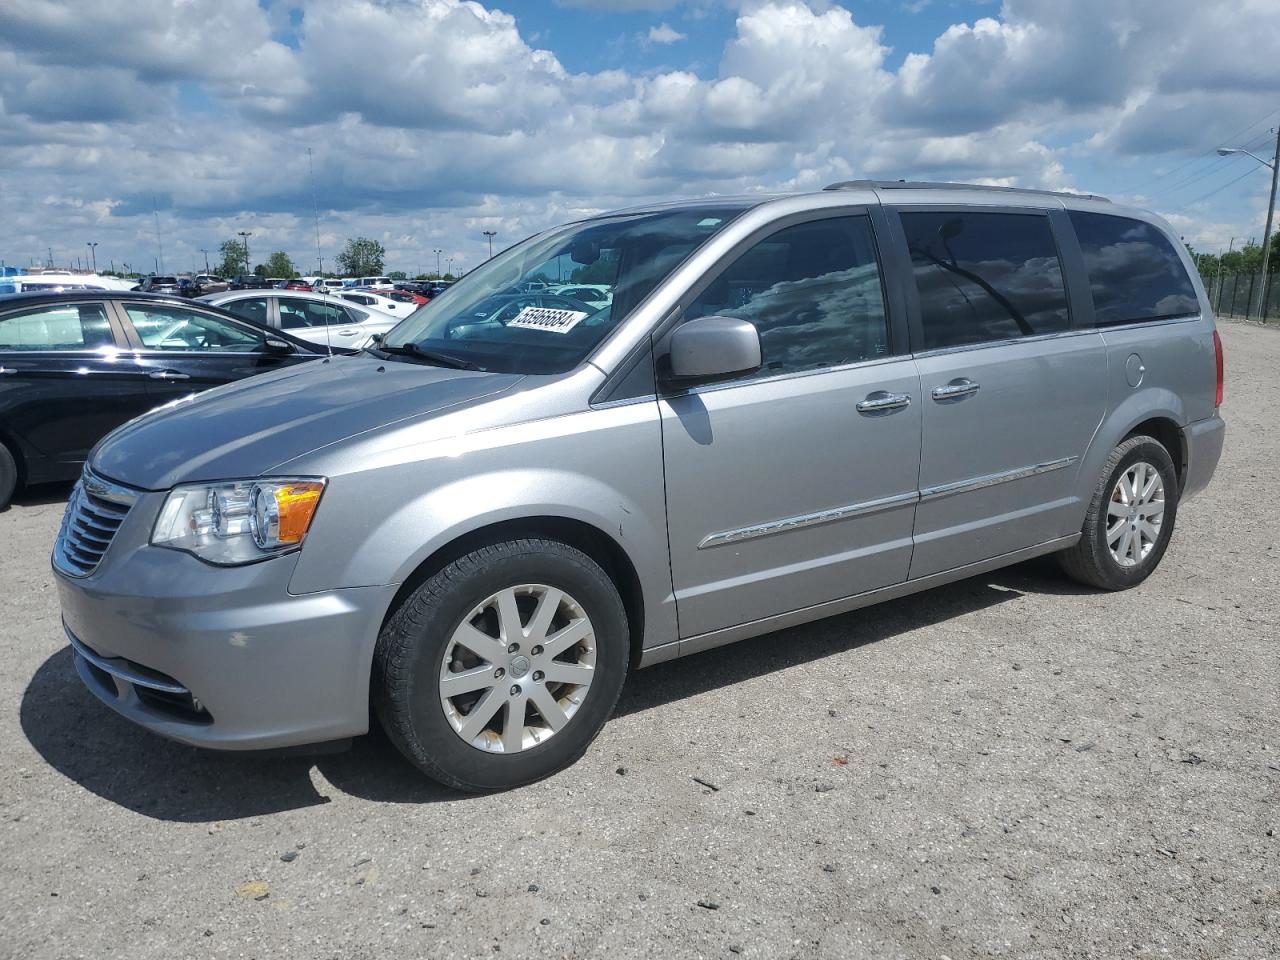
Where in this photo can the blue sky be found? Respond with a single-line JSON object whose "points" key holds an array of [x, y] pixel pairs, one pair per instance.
{"points": [[431, 121]]}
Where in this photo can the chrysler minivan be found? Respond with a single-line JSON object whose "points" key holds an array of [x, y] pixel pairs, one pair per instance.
{"points": [[789, 408]]}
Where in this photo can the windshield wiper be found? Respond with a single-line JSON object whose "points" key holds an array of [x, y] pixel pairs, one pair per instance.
{"points": [[411, 349]]}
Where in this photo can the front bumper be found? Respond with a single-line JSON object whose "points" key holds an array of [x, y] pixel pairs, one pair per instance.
{"points": [[221, 657]]}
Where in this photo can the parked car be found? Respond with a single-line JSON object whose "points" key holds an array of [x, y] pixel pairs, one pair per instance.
{"points": [[405, 296], [792, 408], [247, 281], [298, 284], [62, 280], [596, 295], [366, 297], [315, 317], [161, 284], [75, 365], [207, 283], [324, 284]]}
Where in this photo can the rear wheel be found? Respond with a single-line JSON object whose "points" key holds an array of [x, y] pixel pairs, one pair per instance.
{"points": [[8, 476], [1130, 518], [502, 667]]}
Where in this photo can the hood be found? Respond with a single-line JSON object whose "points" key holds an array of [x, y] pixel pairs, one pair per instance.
{"points": [[245, 429]]}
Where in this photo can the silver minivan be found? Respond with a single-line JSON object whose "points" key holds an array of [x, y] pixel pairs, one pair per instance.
{"points": [[789, 408]]}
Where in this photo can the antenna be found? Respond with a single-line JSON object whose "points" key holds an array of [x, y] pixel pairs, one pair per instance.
{"points": [[315, 208]]}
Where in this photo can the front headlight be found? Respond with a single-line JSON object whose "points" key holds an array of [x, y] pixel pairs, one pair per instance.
{"points": [[238, 521]]}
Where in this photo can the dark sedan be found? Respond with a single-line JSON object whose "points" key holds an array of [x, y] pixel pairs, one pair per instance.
{"points": [[76, 365]]}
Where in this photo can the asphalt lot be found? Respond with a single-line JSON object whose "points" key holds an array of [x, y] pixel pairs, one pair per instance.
{"points": [[1010, 766]]}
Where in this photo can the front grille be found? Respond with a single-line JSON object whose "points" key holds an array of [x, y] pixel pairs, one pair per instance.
{"points": [[94, 513]]}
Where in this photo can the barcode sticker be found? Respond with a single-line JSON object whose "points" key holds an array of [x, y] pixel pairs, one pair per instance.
{"points": [[545, 318]]}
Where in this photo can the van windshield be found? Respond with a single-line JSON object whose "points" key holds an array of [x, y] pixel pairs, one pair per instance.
{"points": [[524, 310]]}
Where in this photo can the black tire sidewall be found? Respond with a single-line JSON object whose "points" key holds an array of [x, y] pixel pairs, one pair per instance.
{"points": [[8, 477], [1120, 577], [431, 732]]}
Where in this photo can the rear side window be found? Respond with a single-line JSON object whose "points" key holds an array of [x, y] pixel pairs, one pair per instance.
{"points": [[1134, 272], [813, 292], [985, 276], [72, 326], [296, 313]]}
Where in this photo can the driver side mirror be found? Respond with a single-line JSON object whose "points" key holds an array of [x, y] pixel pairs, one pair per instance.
{"points": [[712, 348]]}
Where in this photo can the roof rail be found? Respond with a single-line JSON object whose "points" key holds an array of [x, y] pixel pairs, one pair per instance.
{"points": [[928, 185]]}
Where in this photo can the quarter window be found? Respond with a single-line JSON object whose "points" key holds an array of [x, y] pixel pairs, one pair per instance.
{"points": [[173, 328], [813, 292], [985, 276], [1134, 272], [72, 326]]}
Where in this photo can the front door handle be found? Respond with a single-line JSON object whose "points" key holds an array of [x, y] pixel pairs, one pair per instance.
{"points": [[168, 375], [962, 387], [882, 400], [7, 370]]}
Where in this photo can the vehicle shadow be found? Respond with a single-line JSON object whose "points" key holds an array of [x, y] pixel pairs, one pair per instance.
{"points": [[88, 743], [43, 494]]}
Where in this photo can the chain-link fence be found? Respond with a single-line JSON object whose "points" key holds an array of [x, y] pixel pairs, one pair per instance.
{"points": [[1240, 295]]}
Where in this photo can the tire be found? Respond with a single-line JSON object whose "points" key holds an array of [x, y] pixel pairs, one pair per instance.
{"points": [[1092, 560], [409, 665], [8, 476]]}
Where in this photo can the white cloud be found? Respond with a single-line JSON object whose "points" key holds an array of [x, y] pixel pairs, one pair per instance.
{"points": [[433, 119], [664, 33]]}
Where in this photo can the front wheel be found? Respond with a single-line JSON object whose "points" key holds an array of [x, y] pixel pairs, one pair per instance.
{"points": [[502, 667], [1130, 518]]}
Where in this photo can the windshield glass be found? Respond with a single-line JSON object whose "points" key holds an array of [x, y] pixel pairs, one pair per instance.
{"points": [[518, 313]]}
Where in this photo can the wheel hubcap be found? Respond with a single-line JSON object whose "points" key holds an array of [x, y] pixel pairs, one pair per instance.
{"points": [[517, 668], [1135, 513]]}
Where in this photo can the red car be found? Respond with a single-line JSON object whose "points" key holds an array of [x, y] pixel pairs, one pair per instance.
{"points": [[297, 285], [405, 296]]}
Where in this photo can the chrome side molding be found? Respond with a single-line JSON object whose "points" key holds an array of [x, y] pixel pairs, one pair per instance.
{"points": [[991, 479]]}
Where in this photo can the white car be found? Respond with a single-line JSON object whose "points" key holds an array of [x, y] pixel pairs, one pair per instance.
{"points": [[62, 280], [377, 301], [596, 295], [323, 284], [315, 317]]}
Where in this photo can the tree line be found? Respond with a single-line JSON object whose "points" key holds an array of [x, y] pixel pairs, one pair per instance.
{"points": [[1246, 259], [361, 257]]}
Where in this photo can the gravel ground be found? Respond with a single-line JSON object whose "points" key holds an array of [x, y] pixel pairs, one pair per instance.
{"points": [[1010, 766]]}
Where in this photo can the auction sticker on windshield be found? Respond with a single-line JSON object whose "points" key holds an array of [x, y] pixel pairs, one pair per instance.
{"points": [[546, 318]]}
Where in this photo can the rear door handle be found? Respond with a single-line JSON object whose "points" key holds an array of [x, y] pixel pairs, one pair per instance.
{"points": [[963, 387], [882, 400], [168, 375]]}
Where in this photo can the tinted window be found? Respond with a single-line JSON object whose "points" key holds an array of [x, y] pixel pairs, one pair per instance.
{"points": [[813, 292], [1134, 271], [296, 313], [68, 326], [985, 276], [251, 308], [173, 328]]}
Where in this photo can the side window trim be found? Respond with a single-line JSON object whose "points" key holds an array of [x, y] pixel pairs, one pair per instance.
{"points": [[915, 320]]}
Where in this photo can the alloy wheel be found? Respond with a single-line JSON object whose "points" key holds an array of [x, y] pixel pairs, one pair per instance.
{"points": [[1135, 513], [517, 668]]}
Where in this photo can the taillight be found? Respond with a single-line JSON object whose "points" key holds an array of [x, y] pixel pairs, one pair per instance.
{"points": [[1217, 360]]}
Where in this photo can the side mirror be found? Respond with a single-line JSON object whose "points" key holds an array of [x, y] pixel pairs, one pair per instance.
{"points": [[278, 346], [713, 348]]}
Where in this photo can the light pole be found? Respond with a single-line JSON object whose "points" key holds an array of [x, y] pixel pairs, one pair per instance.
{"points": [[1271, 209], [437, 251], [245, 235], [206, 259], [490, 234], [93, 250]]}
